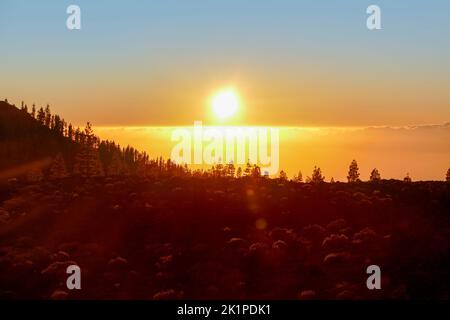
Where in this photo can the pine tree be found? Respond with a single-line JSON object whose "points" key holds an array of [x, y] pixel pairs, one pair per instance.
{"points": [[77, 136], [239, 172], [87, 161], [58, 167], [70, 132], [256, 171], [41, 116], [218, 171], [48, 116], [447, 176], [33, 111], [115, 167], [56, 123], [407, 178], [332, 180], [230, 170], [298, 177], [248, 169], [283, 176], [353, 172], [375, 175], [317, 176], [52, 122], [90, 139], [141, 165], [64, 128]]}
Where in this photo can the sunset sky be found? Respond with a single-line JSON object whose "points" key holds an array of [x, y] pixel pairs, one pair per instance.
{"points": [[293, 63], [138, 69]]}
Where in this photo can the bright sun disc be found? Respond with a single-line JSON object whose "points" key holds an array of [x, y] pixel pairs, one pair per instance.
{"points": [[225, 104]]}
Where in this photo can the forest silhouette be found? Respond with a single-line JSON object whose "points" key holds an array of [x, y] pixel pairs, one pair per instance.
{"points": [[142, 228]]}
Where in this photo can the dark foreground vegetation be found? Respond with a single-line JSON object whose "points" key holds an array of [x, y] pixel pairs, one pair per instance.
{"points": [[205, 237]]}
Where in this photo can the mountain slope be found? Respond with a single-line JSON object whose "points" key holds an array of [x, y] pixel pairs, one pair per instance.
{"points": [[23, 140]]}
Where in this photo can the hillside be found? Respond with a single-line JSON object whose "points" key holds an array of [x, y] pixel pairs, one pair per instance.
{"points": [[25, 142], [39, 145]]}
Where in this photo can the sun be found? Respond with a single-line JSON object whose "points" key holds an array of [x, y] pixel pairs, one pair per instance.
{"points": [[225, 103]]}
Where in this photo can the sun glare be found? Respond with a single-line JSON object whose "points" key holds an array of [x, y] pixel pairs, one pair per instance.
{"points": [[225, 103]]}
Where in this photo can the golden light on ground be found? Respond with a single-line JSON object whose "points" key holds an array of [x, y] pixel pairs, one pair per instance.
{"points": [[225, 103]]}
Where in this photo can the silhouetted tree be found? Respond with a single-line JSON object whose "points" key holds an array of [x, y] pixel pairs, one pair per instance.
{"points": [[317, 176], [239, 172], [332, 180], [256, 171], [116, 165], [33, 111], [141, 165], [41, 116], [70, 132], [248, 169], [283, 176], [87, 161], [298, 177], [219, 170], [230, 170], [24, 107], [447, 176], [64, 128], [353, 172], [407, 178], [48, 116], [56, 124], [77, 135], [58, 167], [375, 175]]}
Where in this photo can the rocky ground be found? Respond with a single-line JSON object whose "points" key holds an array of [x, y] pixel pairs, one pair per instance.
{"points": [[205, 238]]}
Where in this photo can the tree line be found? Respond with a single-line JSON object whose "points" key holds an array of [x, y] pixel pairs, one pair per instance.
{"points": [[352, 177], [96, 157]]}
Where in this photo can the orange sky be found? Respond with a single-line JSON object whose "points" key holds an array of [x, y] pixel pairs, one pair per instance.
{"points": [[293, 63], [422, 151]]}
